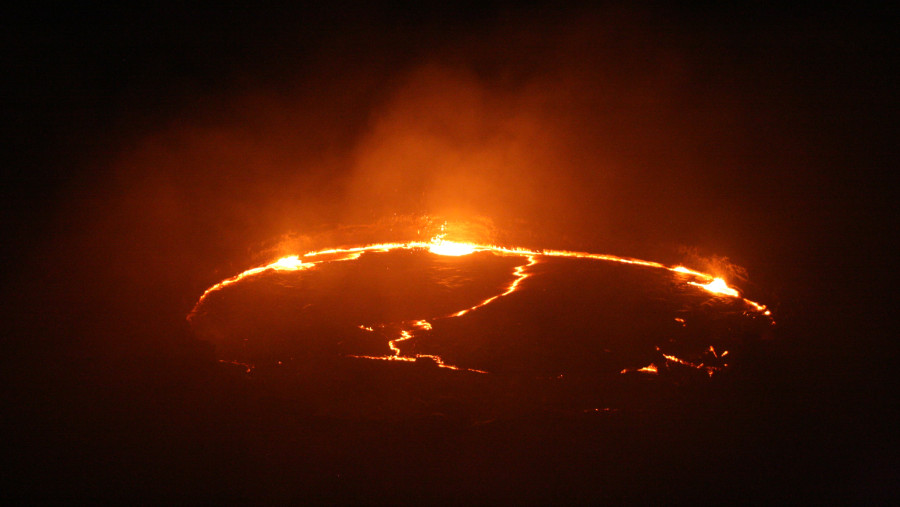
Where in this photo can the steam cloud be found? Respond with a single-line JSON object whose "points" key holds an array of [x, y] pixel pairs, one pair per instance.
{"points": [[595, 130]]}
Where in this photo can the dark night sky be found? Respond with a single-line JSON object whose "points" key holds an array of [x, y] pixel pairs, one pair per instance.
{"points": [[148, 152]]}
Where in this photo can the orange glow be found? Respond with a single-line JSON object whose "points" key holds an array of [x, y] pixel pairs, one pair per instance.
{"points": [[440, 246], [717, 286], [289, 263], [682, 269], [451, 248], [650, 368], [247, 367], [708, 369], [520, 275]]}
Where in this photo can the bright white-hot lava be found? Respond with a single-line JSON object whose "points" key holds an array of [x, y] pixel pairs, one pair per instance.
{"points": [[717, 286], [451, 248], [440, 246]]}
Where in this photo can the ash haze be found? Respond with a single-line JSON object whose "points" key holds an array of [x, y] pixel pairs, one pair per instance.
{"points": [[155, 152]]}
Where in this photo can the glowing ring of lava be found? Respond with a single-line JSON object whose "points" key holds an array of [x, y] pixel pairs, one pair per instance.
{"points": [[439, 246]]}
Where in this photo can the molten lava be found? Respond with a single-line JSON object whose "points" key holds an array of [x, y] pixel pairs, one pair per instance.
{"points": [[717, 286], [451, 248], [521, 272]]}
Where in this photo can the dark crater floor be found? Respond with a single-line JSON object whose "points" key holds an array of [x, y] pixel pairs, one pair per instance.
{"points": [[560, 342]]}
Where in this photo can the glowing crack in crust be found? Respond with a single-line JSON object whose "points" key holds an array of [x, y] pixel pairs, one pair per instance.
{"points": [[652, 369], [440, 246], [407, 334]]}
